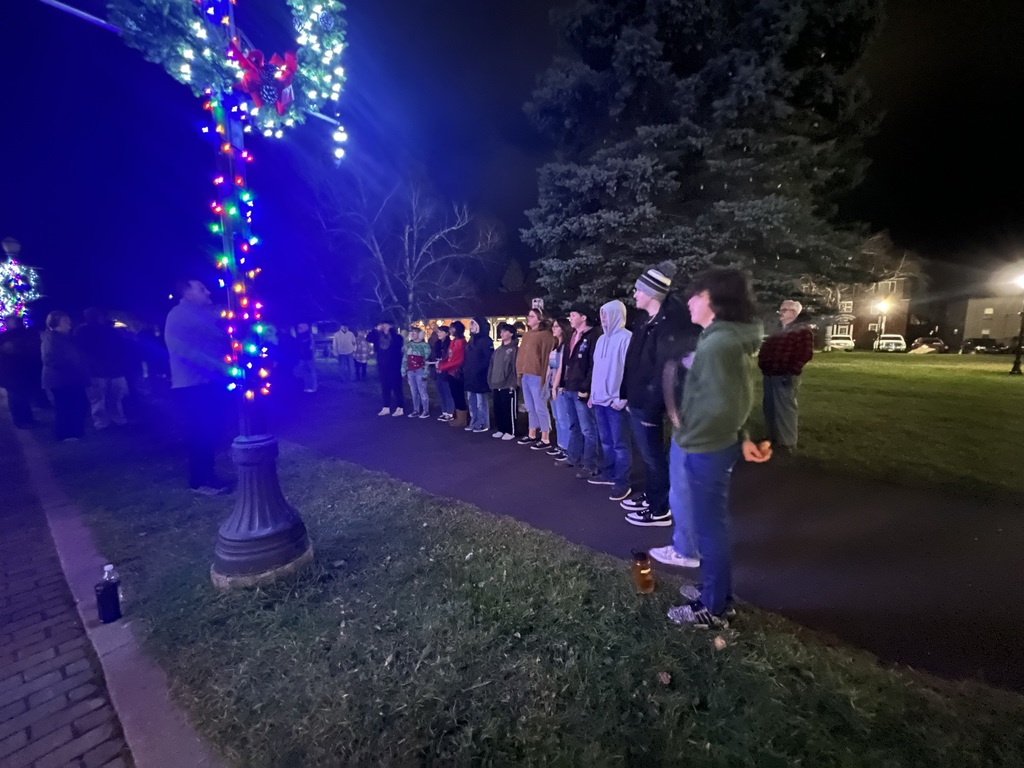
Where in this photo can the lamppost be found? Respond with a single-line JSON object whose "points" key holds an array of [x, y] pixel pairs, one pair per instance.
{"points": [[881, 308], [1015, 370]]}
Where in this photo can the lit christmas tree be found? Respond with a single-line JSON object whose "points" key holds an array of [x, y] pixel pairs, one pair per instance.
{"points": [[19, 284]]}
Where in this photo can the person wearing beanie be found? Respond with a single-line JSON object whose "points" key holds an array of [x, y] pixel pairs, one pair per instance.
{"points": [[661, 337], [532, 369], [583, 446], [478, 362], [451, 368], [609, 407]]}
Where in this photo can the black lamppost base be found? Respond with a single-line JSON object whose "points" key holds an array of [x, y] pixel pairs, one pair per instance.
{"points": [[265, 538]]}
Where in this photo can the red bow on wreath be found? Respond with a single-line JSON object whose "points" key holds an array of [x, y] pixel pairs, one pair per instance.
{"points": [[268, 83]]}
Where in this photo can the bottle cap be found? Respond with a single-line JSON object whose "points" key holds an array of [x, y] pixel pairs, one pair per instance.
{"points": [[639, 555], [108, 567]]}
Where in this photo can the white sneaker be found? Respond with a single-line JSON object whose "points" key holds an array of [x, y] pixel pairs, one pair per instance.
{"points": [[669, 556], [384, 412], [508, 437], [468, 429], [412, 415], [498, 434], [424, 415], [398, 412]]}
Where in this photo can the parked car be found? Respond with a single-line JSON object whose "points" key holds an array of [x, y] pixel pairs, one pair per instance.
{"points": [[984, 346], [930, 341], [323, 333], [890, 342], [842, 342]]}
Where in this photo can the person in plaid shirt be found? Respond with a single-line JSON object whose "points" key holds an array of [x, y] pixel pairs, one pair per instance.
{"points": [[782, 358]]}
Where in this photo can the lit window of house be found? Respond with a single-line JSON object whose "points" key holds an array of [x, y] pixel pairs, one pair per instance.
{"points": [[846, 307], [872, 326], [989, 311], [986, 331]]}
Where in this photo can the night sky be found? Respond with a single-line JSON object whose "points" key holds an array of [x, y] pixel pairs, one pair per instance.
{"points": [[106, 177]]}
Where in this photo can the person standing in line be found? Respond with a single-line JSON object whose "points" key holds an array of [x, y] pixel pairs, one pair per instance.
{"points": [[343, 344], [361, 355], [451, 368], [502, 379], [708, 438], [560, 405], [584, 444], [105, 354], [532, 369], [196, 347], [438, 353], [65, 376], [305, 346], [478, 363], [388, 346], [782, 359], [20, 366], [414, 369], [665, 335], [609, 407]]}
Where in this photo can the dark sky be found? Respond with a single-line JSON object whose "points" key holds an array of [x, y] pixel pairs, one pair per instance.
{"points": [[106, 178]]}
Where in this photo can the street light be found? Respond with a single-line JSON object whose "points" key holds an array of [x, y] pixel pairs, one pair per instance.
{"points": [[882, 308], [1015, 370]]}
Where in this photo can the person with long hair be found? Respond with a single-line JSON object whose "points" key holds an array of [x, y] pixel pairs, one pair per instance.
{"points": [[562, 331], [478, 363], [438, 353], [451, 368], [65, 376], [532, 369], [708, 439]]}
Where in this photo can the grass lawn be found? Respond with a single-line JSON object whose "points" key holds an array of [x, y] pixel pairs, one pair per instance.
{"points": [[932, 419], [429, 633]]}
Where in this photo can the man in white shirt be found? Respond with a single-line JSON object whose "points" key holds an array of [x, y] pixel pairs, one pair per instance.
{"points": [[344, 345]]}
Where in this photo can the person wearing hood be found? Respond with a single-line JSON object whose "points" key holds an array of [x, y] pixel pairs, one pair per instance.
{"points": [[708, 438], [609, 407], [782, 359], [663, 336], [476, 367], [387, 344], [452, 369], [502, 379], [532, 369]]}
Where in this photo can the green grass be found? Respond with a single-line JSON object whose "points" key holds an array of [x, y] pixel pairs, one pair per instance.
{"points": [[429, 633], [921, 419]]}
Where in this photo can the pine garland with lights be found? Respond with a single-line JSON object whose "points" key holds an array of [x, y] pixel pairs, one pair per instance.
{"points": [[19, 287]]}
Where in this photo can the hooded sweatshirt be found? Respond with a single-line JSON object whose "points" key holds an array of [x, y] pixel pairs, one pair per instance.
{"points": [[501, 373], [719, 389], [610, 356], [478, 358]]}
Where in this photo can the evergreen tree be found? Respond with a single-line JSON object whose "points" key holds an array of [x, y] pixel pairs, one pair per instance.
{"points": [[712, 133]]}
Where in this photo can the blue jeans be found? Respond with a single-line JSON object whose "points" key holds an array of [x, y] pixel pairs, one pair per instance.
{"points": [[444, 390], [561, 406], [479, 412], [345, 367], [418, 388], [536, 405], [780, 409], [650, 441], [584, 442], [611, 426], [700, 505]]}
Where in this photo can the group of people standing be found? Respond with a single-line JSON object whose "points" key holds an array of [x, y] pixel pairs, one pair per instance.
{"points": [[588, 383]]}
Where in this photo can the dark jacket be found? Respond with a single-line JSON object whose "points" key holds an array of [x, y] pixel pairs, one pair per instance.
{"points": [[670, 336], [578, 365], [389, 351], [478, 358], [104, 350], [19, 358], [63, 365]]}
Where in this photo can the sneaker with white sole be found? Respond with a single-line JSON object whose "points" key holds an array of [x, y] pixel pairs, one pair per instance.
{"points": [[696, 614], [646, 518], [508, 436], [413, 415], [398, 412], [620, 492], [669, 556], [636, 504], [599, 480], [446, 417], [555, 451], [564, 458], [384, 412], [480, 430], [424, 415], [527, 440], [469, 428], [691, 592], [541, 446], [498, 435]]}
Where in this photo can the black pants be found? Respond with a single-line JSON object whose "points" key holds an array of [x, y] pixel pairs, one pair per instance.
{"points": [[458, 387], [360, 371], [391, 388], [202, 411], [505, 406], [19, 402], [70, 406]]}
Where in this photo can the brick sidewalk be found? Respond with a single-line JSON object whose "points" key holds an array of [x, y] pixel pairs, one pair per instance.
{"points": [[54, 707]]}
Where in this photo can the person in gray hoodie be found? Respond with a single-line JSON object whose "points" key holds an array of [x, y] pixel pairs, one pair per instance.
{"points": [[609, 408], [502, 379]]}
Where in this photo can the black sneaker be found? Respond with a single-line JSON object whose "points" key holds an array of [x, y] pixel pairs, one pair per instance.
{"points": [[636, 504], [540, 445], [526, 440], [645, 518], [564, 458], [555, 451], [596, 479], [620, 492], [692, 593], [697, 614]]}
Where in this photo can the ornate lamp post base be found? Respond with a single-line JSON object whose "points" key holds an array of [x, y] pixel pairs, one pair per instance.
{"points": [[265, 538]]}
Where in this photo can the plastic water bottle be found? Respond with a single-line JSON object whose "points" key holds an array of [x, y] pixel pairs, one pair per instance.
{"points": [[108, 595], [643, 575]]}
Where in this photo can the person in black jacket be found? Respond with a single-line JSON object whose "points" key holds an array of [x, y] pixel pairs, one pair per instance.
{"points": [[65, 377], [474, 368], [666, 335], [388, 346], [106, 356], [20, 365], [583, 448]]}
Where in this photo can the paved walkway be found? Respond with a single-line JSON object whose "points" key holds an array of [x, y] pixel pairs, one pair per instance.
{"points": [[54, 706], [920, 578]]}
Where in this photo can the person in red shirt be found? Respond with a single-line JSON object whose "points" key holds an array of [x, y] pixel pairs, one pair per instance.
{"points": [[782, 359], [451, 367]]}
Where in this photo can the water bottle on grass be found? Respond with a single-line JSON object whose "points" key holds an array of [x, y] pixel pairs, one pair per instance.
{"points": [[108, 595], [643, 575]]}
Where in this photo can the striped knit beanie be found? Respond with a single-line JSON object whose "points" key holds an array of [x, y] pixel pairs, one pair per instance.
{"points": [[657, 281]]}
